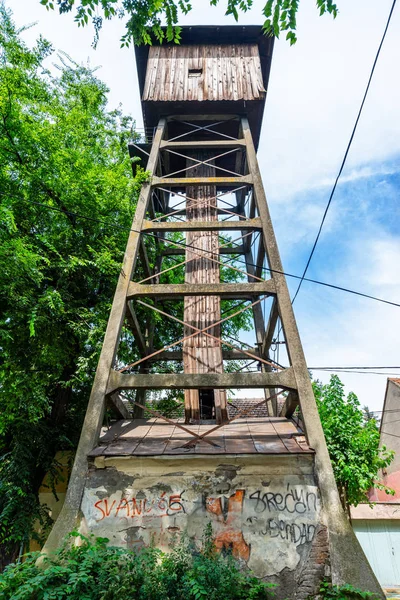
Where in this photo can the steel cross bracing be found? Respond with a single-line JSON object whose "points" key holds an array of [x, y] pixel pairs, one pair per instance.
{"points": [[158, 193], [161, 188]]}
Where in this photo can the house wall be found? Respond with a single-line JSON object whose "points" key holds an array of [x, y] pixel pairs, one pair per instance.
{"points": [[265, 509], [380, 540], [390, 438], [52, 493]]}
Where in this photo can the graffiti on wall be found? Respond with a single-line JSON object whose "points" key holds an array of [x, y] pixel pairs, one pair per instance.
{"points": [[163, 506], [243, 521], [229, 533]]}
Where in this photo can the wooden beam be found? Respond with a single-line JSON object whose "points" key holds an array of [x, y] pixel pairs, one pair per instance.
{"points": [[242, 225], [190, 381], [227, 290]]}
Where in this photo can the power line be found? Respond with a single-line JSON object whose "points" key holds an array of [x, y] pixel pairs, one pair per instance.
{"points": [[346, 153], [350, 367], [115, 225], [356, 372], [253, 370]]}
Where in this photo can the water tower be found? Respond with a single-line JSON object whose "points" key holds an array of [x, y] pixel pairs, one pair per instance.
{"points": [[200, 252]]}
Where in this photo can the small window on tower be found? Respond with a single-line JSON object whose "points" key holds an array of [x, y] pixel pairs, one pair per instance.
{"points": [[195, 72]]}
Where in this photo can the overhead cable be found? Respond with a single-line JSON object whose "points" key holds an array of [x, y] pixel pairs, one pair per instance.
{"points": [[345, 154], [115, 225]]}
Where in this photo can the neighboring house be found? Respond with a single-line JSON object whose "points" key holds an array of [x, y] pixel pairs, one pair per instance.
{"points": [[378, 528]]}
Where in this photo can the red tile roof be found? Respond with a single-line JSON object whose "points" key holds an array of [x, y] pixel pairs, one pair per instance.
{"points": [[239, 404]]}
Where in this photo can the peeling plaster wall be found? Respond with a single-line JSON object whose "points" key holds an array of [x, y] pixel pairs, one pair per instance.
{"points": [[266, 510]]}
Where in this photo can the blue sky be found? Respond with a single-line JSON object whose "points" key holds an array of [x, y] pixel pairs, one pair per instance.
{"points": [[314, 94]]}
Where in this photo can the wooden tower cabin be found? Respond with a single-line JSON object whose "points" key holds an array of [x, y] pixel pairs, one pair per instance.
{"points": [[202, 252]]}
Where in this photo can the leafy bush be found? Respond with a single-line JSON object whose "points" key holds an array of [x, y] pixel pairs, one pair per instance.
{"points": [[344, 592], [95, 571]]}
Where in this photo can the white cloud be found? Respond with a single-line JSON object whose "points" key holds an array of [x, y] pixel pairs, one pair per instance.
{"points": [[338, 329], [360, 172]]}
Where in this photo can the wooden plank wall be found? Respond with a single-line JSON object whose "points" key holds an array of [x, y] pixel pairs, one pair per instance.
{"points": [[202, 354], [228, 72]]}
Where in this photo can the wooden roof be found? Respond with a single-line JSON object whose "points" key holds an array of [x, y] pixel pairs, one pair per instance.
{"points": [[249, 36], [204, 72], [152, 437]]}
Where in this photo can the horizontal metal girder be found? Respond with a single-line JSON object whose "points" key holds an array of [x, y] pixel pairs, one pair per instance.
{"points": [[180, 251], [186, 181], [202, 144], [226, 290], [284, 379], [242, 225]]}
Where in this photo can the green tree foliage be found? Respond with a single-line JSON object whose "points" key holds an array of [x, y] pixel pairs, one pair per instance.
{"points": [[94, 571], [353, 442], [144, 18], [59, 149], [67, 198]]}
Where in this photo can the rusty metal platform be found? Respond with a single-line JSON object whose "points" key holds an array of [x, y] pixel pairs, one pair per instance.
{"points": [[154, 437]]}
